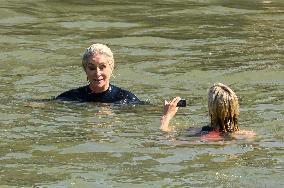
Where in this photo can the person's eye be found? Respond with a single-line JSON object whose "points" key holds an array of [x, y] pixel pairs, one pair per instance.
{"points": [[101, 67], [91, 68]]}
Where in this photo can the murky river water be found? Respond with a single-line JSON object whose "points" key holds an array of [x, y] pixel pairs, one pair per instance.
{"points": [[162, 49]]}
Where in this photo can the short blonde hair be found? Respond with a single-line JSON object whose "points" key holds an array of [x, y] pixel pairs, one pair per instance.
{"points": [[223, 108], [98, 49]]}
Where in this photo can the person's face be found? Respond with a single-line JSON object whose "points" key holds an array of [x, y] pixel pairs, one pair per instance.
{"points": [[98, 72]]}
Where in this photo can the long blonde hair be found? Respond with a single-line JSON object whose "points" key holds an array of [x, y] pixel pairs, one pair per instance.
{"points": [[223, 108]]}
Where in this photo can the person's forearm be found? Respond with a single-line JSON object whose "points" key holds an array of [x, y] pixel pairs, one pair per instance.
{"points": [[165, 121]]}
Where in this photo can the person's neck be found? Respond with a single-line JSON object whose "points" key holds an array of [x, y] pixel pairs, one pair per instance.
{"points": [[98, 89]]}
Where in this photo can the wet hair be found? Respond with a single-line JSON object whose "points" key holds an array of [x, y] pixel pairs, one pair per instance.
{"points": [[223, 108], [98, 49]]}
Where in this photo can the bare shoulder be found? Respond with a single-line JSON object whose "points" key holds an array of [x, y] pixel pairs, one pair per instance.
{"points": [[242, 134]]}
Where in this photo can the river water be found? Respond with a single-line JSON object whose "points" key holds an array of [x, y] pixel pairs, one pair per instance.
{"points": [[162, 49]]}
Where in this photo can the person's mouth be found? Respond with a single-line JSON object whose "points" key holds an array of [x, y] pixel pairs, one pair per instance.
{"points": [[98, 80]]}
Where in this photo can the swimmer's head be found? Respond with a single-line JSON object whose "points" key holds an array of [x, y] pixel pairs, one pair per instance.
{"points": [[223, 108], [98, 49]]}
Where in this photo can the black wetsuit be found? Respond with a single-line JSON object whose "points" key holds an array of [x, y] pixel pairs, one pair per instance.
{"points": [[112, 95], [193, 132]]}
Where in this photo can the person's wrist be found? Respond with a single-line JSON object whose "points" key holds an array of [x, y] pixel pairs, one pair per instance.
{"points": [[165, 118]]}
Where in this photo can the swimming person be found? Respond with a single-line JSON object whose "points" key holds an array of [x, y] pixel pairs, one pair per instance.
{"points": [[98, 64], [223, 109]]}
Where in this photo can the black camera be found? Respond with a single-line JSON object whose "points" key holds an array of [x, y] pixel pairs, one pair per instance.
{"points": [[181, 103]]}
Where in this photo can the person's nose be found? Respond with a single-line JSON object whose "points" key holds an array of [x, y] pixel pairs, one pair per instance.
{"points": [[98, 72]]}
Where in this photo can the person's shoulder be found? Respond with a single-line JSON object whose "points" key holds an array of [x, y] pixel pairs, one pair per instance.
{"points": [[192, 132], [72, 94], [243, 134], [206, 128], [75, 90], [118, 90], [124, 94]]}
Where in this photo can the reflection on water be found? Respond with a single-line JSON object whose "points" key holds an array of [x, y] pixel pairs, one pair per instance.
{"points": [[162, 49]]}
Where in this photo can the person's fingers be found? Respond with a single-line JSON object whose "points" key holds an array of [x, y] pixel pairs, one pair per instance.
{"points": [[175, 101]]}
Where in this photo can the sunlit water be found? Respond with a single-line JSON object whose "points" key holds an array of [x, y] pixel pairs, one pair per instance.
{"points": [[162, 49]]}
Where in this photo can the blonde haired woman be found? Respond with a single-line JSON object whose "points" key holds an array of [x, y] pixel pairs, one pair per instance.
{"points": [[98, 64], [223, 109]]}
